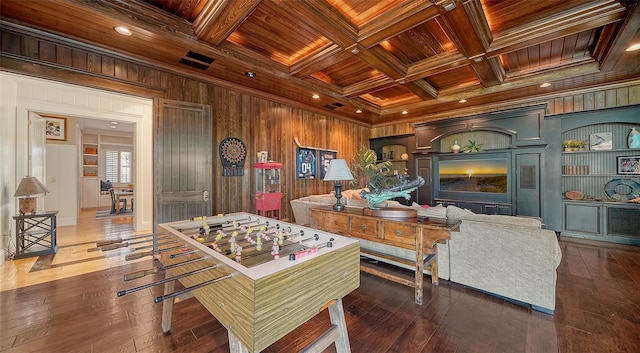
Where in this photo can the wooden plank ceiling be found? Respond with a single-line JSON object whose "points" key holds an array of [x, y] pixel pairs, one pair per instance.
{"points": [[378, 57]]}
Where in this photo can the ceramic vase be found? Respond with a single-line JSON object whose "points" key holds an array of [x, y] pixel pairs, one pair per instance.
{"points": [[455, 148], [633, 139]]}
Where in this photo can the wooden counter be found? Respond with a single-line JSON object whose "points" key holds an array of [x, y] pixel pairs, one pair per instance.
{"points": [[416, 234]]}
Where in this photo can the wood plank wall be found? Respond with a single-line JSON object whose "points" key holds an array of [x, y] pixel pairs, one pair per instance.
{"points": [[566, 103], [261, 123]]}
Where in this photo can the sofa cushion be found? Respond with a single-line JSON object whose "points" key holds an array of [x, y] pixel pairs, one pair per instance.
{"points": [[458, 213], [455, 212], [323, 199]]}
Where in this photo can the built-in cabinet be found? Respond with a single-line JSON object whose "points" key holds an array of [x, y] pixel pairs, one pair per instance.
{"points": [[91, 156], [502, 176], [596, 189]]}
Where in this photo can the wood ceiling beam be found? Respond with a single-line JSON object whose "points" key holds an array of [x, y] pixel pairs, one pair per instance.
{"points": [[477, 91], [422, 89], [615, 58], [320, 16], [381, 60], [368, 86], [219, 18], [468, 28], [579, 19], [398, 20], [488, 71], [321, 59], [435, 64]]}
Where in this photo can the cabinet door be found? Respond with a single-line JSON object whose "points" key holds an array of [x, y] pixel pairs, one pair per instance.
{"points": [[497, 210], [424, 194], [90, 192], [401, 235], [336, 223], [583, 218], [365, 228]]}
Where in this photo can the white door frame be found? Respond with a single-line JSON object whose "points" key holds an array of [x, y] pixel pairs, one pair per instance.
{"points": [[55, 98]]}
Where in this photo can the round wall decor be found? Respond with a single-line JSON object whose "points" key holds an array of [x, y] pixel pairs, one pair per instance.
{"points": [[232, 154], [622, 189]]}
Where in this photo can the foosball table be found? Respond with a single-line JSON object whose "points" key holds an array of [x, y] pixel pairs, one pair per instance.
{"points": [[261, 278]]}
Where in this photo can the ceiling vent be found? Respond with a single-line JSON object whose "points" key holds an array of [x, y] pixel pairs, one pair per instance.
{"points": [[199, 57], [199, 61], [329, 106], [195, 64], [339, 105]]}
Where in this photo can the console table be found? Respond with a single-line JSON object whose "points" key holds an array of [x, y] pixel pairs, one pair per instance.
{"points": [[36, 234], [416, 234]]}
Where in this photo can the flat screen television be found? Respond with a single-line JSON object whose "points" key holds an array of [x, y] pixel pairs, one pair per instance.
{"points": [[474, 177]]}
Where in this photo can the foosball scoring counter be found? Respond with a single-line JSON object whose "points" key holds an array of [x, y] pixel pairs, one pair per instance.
{"points": [[259, 277]]}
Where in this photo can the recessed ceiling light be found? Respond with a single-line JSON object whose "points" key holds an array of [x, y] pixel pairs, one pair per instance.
{"points": [[250, 74], [546, 84], [316, 96], [113, 126], [633, 47], [462, 101], [123, 30], [114, 123], [358, 111], [404, 112]]}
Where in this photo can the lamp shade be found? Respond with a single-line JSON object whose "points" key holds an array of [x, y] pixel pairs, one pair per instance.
{"points": [[30, 186], [338, 170]]}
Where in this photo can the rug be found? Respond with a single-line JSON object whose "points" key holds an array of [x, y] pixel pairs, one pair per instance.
{"points": [[105, 214]]}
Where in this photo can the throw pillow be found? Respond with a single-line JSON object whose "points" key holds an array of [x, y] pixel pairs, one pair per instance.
{"points": [[438, 211]]}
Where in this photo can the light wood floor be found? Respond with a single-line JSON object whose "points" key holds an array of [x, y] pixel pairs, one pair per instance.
{"points": [[67, 304], [77, 253]]}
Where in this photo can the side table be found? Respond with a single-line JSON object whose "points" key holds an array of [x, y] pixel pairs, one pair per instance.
{"points": [[36, 234]]}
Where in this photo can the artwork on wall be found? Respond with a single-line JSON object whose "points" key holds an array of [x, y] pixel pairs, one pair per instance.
{"points": [[325, 158], [306, 163], [629, 165], [56, 128], [600, 141], [232, 154]]}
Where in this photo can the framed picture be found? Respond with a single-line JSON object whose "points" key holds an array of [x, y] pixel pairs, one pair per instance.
{"points": [[56, 128], [325, 158], [600, 141], [306, 163], [629, 165]]}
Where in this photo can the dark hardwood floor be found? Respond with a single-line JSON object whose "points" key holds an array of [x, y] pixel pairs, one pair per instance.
{"points": [[598, 310]]}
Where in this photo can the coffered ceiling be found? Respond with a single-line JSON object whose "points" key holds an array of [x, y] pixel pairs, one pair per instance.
{"points": [[379, 57]]}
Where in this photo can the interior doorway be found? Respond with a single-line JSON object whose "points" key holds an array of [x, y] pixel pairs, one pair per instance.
{"points": [[106, 168]]}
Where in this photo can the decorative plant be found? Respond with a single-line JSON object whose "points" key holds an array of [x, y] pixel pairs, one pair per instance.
{"points": [[472, 147], [367, 171], [573, 144]]}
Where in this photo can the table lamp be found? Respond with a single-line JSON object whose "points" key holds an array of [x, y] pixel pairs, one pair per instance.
{"points": [[338, 171], [28, 189]]}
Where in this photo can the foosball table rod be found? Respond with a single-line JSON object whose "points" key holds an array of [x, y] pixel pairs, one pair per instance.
{"points": [[168, 279]]}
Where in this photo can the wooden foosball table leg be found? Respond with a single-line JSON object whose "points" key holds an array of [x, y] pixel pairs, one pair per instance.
{"points": [[167, 306], [235, 346], [336, 313]]}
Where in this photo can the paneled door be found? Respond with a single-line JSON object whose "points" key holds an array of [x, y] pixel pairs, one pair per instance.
{"points": [[424, 195], [182, 161]]}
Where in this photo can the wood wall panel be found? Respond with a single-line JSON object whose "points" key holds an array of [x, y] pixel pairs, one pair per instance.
{"points": [[262, 124]]}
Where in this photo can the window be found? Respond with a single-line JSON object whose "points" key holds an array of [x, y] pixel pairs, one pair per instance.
{"points": [[118, 166]]}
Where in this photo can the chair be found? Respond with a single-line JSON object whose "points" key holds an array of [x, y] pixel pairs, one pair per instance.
{"points": [[115, 209]]}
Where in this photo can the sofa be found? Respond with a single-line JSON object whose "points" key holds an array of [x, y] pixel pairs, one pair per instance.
{"points": [[511, 257]]}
